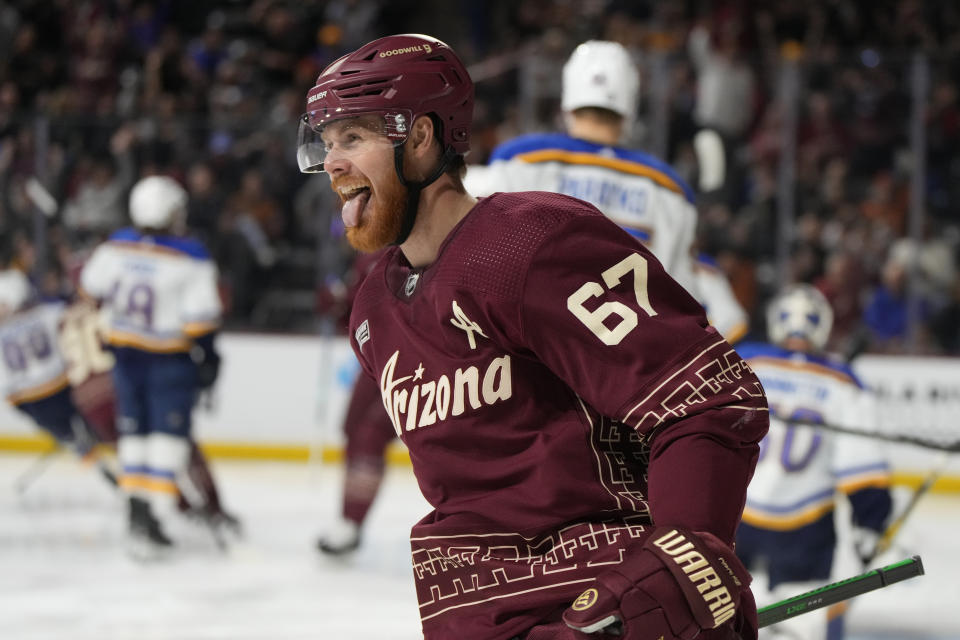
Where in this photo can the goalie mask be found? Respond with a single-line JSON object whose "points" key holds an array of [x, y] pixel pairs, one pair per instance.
{"points": [[800, 312]]}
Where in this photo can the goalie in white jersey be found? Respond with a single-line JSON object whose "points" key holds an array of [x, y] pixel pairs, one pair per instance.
{"points": [[788, 521], [162, 309]]}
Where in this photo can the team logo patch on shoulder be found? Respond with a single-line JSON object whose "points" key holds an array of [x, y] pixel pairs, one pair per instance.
{"points": [[461, 321], [362, 334]]}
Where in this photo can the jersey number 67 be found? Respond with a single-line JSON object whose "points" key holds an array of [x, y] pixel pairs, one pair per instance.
{"points": [[595, 320]]}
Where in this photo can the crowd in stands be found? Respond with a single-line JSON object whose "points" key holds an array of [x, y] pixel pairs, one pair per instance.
{"points": [[97, 93]]}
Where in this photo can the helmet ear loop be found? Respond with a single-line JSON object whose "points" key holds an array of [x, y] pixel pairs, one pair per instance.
{"points": [[414, 189]]}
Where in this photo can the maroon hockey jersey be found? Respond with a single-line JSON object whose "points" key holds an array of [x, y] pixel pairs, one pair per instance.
{"points": [[558, 393]]}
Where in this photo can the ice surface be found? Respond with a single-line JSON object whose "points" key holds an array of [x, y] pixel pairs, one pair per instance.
{"points": [[64, 573]]}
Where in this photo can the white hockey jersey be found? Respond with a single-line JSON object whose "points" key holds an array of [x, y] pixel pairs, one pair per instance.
{"points": [[158, 292], [640, 193], [801, 467], [33, 368]]}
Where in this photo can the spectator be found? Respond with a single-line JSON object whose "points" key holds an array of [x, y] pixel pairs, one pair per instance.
{"points": [[252, 224], [887, 309], [97, 205], [189, 79], [206, 202], [841, 284]]}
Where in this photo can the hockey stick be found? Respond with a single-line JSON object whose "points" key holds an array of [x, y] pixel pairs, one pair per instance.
{"points": [[86, 446], [35, 470], [950, 446], [839, 591], [193, 496], [890, 533]]}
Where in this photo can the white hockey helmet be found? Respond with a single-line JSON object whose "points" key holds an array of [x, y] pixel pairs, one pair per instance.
{"points": [[601, 74], [14, 291], [800, 311], [157, 202]]}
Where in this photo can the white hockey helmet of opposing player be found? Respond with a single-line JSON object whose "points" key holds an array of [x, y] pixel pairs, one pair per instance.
{"points": [[14, 291], [157, 202], [601, 74], [800, 311]]}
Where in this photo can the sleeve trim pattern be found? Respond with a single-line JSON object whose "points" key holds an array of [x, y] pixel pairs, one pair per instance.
{"points": [[715, 377]]}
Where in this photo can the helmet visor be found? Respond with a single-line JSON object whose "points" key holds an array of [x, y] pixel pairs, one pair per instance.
{"points": [[323, 136]]}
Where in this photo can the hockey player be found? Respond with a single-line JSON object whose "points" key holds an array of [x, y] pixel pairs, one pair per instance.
{"points": [[162, 309], [368, 432], [640, 193], [34, 372], [568, 410], [89, 369], [788, 523]]}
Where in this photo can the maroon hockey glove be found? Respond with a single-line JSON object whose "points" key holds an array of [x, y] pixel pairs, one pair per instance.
{"points": [[679, 584]]}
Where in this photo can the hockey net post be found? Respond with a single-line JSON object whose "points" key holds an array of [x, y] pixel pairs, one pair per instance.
{"points": [[839, 591]]}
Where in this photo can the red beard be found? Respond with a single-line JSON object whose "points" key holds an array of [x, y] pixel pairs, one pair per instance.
{"points": [[382, 219]]}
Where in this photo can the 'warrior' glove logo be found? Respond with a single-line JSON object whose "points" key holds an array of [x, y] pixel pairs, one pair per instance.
{"points": [[585, 600], [703, 576]]}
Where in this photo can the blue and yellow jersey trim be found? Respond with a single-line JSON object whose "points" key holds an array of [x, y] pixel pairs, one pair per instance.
{"points": [[556, 147], [762, 354], [131, 239], [798, 365], [177, 341], [876, 476], [592, 160], [154, 344], [789, 517], [199, 328], [40, 391]]}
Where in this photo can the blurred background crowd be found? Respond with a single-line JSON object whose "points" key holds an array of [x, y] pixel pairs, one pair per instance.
{"points": [[840, 119]]}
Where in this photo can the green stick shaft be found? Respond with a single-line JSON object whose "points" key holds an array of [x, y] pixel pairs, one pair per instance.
{"points": [[839, 591]]}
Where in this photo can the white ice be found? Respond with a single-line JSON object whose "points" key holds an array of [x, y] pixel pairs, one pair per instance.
{"points": [[64, 573]]}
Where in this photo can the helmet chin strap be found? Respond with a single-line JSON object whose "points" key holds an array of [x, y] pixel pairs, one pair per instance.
{"points": [[414, 189]]}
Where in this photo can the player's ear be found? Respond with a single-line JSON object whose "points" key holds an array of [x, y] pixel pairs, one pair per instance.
{"points": [[421, 135], [421, 150]]}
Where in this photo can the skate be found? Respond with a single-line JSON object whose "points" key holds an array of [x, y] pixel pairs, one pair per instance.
{"points": [[340, 539], [147, 541]]}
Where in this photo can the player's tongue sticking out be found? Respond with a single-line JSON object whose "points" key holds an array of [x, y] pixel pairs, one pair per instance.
{"points": [[353, 208]]}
